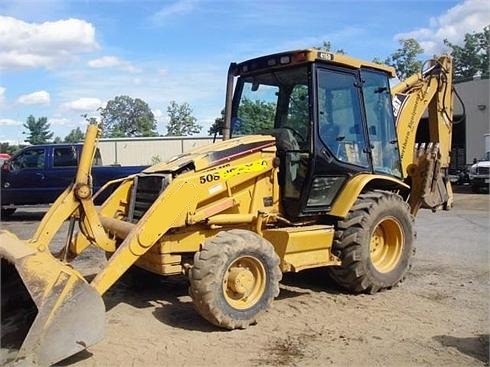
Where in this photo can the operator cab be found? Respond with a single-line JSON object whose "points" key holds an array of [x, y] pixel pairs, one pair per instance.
{"points": [[331, 116]]}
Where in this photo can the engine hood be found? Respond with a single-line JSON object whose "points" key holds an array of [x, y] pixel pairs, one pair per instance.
{"points": [[215, 154]]}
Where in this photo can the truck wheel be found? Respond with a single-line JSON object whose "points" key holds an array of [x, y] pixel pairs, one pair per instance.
{"points": [[374, 243], [234, 278]]}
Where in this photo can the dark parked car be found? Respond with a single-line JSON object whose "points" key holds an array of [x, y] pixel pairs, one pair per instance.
{"points": [[38, 174]]}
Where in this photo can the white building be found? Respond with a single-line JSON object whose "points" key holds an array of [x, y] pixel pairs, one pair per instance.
{"points": [[475, 94]]}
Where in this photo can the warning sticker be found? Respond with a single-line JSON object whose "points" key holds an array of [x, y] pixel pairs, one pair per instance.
{"points": [[256, 166]]}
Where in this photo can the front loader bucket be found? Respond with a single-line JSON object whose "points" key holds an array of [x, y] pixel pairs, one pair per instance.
{"points": [[71, 314]]}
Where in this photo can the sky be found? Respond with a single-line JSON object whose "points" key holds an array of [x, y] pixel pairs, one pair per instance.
{"points": [[65, 59]]}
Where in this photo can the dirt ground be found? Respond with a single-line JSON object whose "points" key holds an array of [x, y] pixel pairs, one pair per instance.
{"points": [[438, 317]]}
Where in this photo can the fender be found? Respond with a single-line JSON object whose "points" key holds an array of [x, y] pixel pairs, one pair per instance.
{"points": [[348, 196]]}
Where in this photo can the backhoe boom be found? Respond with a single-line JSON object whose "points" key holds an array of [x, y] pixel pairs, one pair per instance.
{"points": [[426, 164]]}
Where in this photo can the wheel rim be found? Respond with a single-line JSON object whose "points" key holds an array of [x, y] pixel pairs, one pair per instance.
{"points": [[244, 282], [386, 245]]}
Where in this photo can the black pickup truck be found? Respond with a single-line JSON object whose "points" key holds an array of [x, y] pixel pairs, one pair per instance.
{"points": [[38, 174]]}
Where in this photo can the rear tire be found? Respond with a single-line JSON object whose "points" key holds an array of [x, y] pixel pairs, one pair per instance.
{"points": [[374, 243], [234, 278]]}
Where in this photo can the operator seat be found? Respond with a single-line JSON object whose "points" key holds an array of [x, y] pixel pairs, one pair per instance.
{"points": [[285, 140], [288, 152]]}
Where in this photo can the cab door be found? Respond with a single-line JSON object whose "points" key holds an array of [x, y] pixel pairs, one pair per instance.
{"points": [[340, 140]]}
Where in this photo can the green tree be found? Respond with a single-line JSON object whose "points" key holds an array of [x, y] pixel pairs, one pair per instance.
{"points": [[472, 57], [90, 119], [7, 148], [38, 130], [298, 109], [124, 116], [181, 122], [254, 116], [377, 60], [218, 125], [75, 136], [327, 47], [404, 60]]}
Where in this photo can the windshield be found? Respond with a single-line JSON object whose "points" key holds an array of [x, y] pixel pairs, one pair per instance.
{"points": [[272, 100], [340, 116], [380, 121]]}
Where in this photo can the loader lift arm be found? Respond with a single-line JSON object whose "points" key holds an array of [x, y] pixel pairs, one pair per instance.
{"points": [[426, 164]]}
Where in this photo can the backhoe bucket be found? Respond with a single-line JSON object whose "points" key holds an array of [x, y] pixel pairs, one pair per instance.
{"points": [[71, 314]]}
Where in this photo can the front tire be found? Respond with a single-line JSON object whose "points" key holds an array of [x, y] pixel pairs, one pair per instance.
{"points": [[234, 278], [374, 243]]}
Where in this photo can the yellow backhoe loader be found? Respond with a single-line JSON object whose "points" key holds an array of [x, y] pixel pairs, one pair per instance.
{"points": [[319, 166]]}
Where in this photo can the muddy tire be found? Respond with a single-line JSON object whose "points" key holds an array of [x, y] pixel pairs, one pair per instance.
{"points": [[374, 243], [234, 278]]}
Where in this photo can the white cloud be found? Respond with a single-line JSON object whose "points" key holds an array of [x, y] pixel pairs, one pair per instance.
{"points": [[31, 45], [177, 8], [467, 17], [9, 122], [159, 115], [113, 62], [2, 95], [39, 97], [105, 62], [82, 105], [63, 121]]}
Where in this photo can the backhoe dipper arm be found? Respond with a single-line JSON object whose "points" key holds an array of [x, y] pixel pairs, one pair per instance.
{"points": [[426, 164]]}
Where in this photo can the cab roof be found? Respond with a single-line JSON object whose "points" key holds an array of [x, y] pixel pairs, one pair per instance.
{"points": [[304, 56]]}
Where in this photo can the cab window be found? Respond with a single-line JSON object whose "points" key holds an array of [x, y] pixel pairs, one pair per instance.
{"points": [[381, 123], [277, 103], [340, 118], [31, 158], [64, 157]]}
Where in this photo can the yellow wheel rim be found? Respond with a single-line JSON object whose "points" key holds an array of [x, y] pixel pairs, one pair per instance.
{"points": [[386, 245], [244, 282]]}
